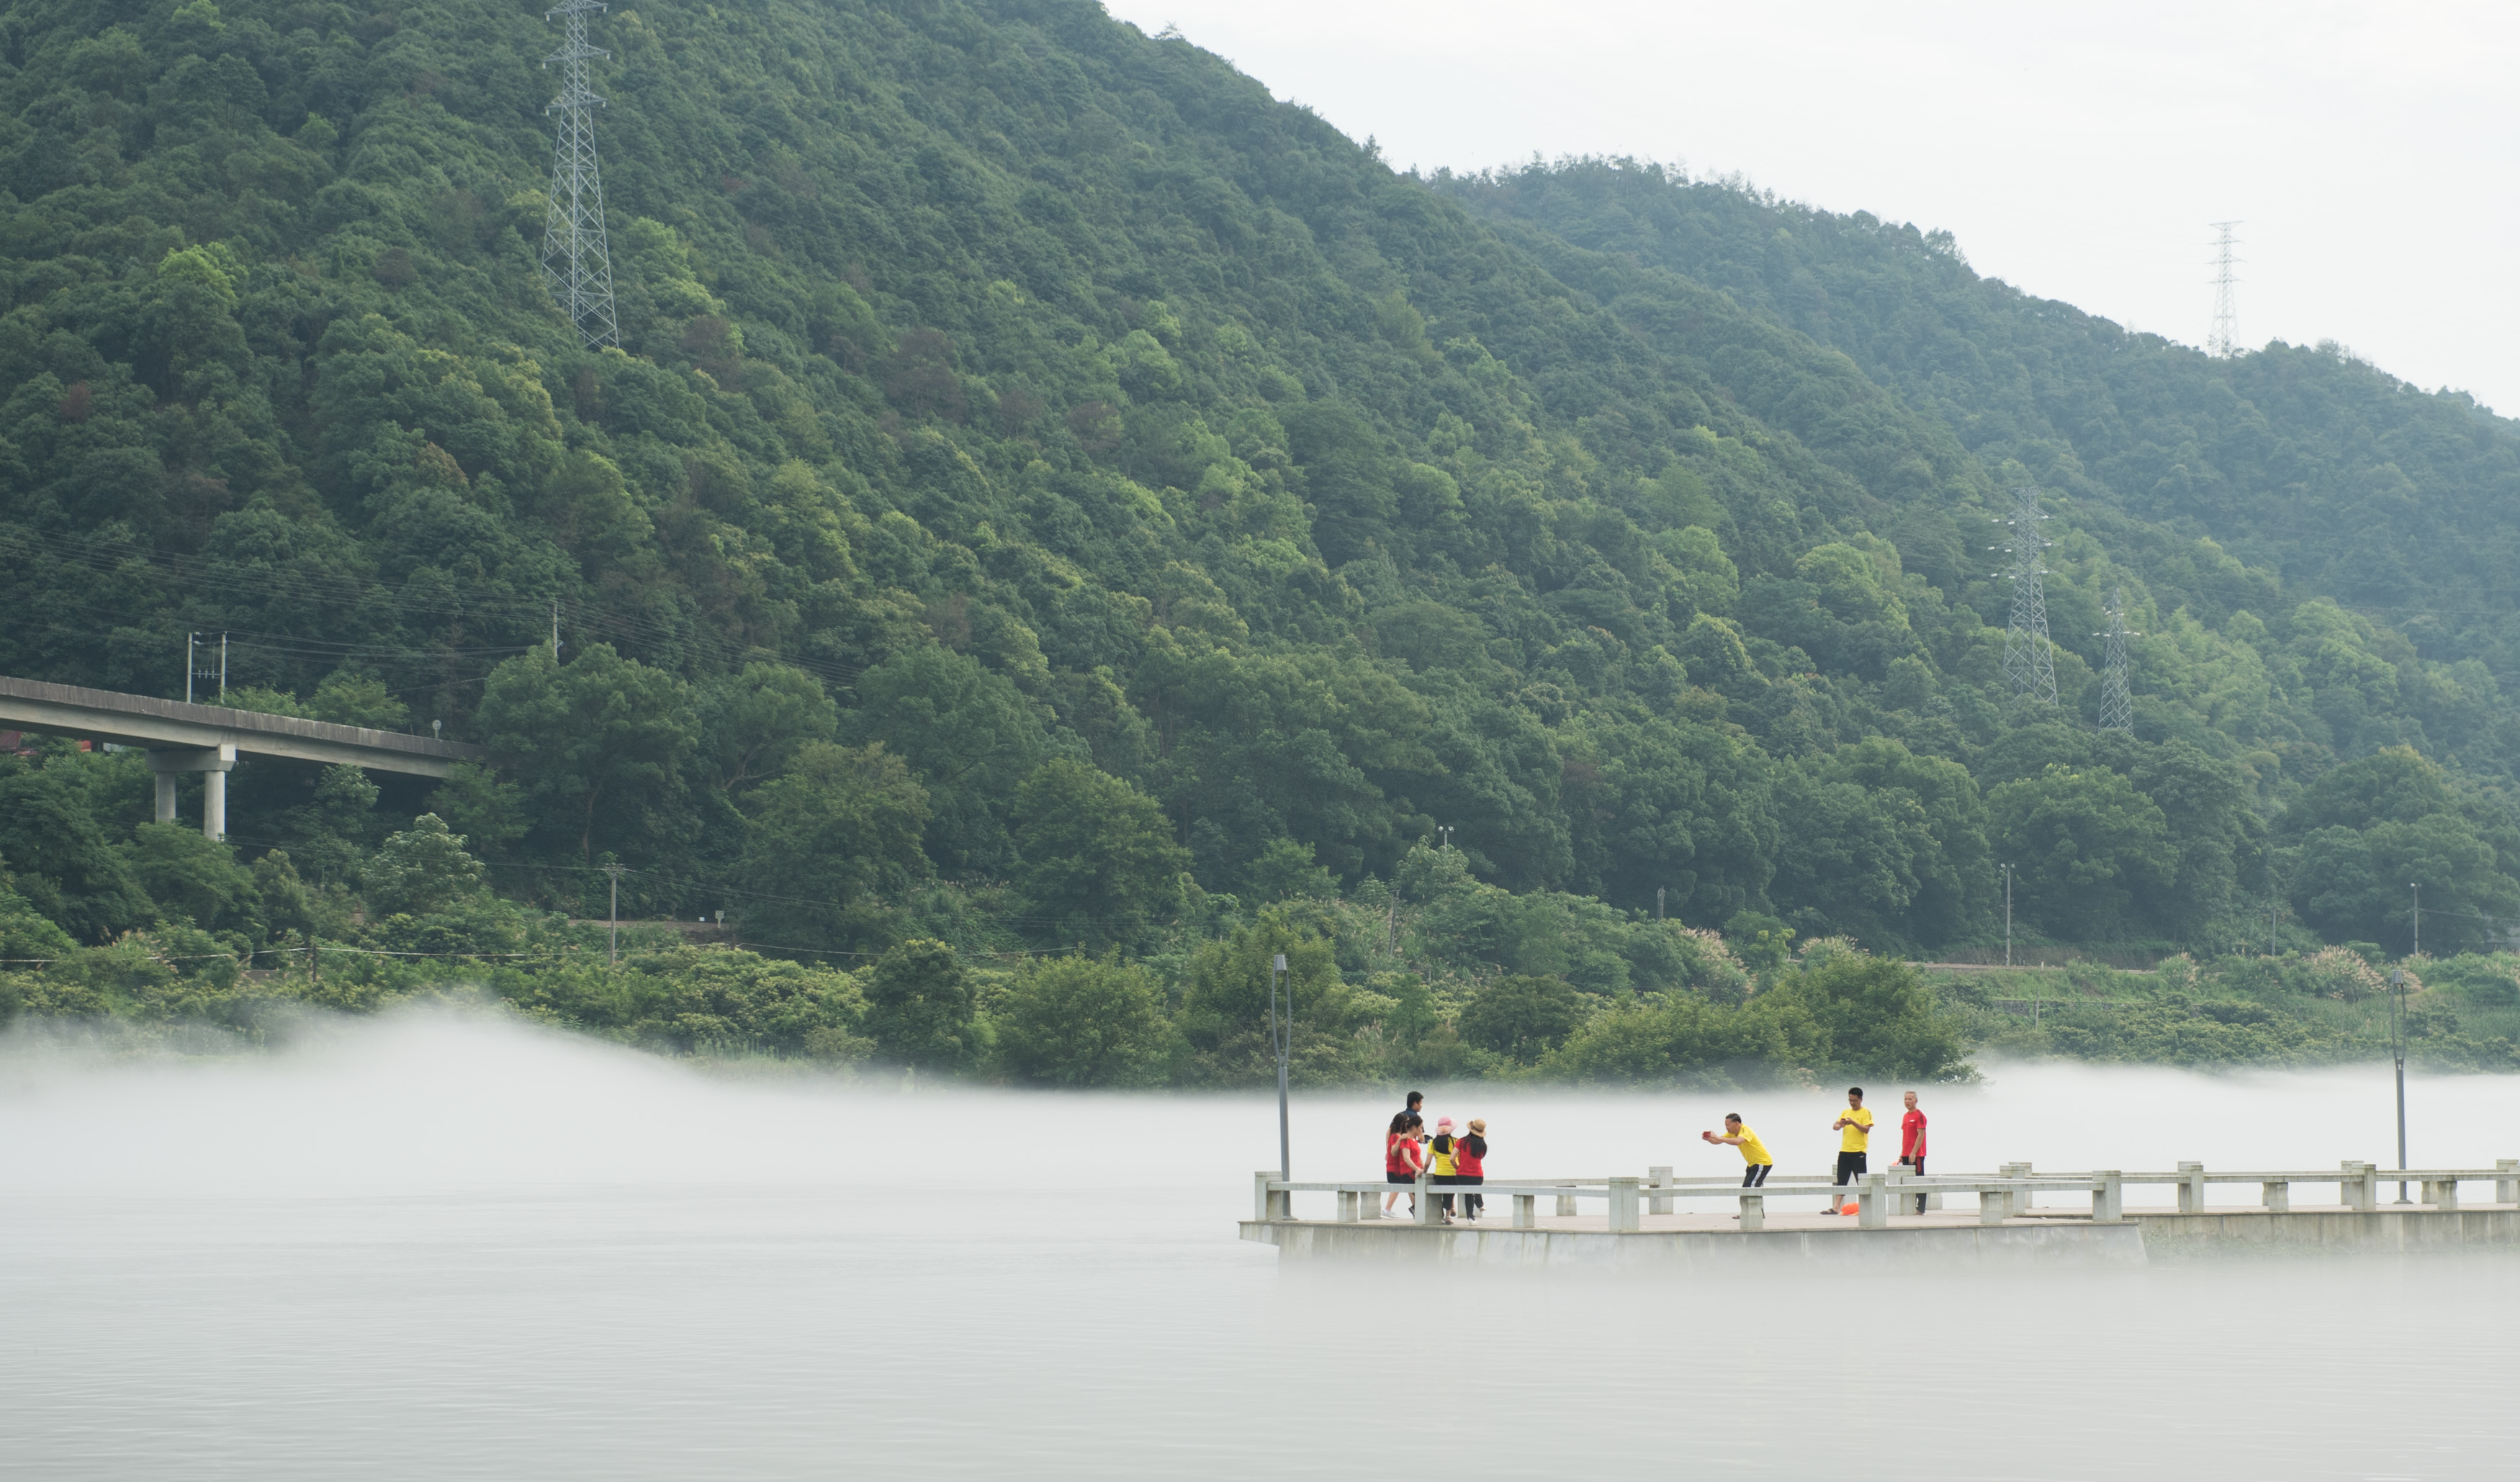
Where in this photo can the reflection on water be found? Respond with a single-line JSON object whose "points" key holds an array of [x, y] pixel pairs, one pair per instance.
{"points": [[442, 1248]]}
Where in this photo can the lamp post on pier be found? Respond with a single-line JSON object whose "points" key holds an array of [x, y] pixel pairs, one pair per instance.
{"points": [[1281, 1034], [2397, 1055]]}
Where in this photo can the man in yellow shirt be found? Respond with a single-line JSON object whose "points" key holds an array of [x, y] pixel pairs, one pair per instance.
{"points": [[1753, 1152], [1855, 1133]]}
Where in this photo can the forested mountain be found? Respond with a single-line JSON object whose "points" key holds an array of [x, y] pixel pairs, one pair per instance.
{"points": [[1049, 493]]}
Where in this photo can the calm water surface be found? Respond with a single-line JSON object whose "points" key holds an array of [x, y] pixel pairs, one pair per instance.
{"points": [[450, 1248]]}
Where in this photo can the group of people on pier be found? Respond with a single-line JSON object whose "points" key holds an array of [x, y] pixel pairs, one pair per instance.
{"points": [[1449, 1159], [1853, 1129]]}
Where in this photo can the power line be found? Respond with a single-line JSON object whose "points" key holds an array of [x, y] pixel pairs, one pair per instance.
{"points": [[577, 256]]}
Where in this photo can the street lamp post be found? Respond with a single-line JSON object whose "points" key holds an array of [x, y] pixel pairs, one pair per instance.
{"points": [[1282, 1033], [2008, 915], [2397, 1055]]}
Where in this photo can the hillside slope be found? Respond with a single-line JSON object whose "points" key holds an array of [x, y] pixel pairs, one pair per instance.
{"points": [[1045, 486]]}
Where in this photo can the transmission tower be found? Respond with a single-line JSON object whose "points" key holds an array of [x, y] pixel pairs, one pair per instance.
{"points": [[2029, 658], [577, 259], [2117, 708], [2227, 311]]}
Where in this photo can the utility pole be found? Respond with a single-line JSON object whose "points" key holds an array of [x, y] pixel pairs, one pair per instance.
{"points": [[2271, 903], [2398, 1054], [555, 629], [614, 958], [2226, 313], [577, 256], [2008, 915], [2029, 655], [2117, 706], [1282, 1030], [1658, 894], [2419, 926]]}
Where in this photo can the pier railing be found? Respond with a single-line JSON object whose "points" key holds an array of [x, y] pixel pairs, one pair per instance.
{"points": [[2006, 1194]]}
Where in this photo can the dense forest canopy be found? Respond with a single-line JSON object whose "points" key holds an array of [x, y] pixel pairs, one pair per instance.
{"points": [[1049, 494]]}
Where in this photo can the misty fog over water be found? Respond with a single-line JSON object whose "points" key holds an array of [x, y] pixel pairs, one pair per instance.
{"points": [[455, 1247]]}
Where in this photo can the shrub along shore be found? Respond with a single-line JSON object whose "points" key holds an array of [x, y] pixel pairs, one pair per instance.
{"points": [[1432, 976]]}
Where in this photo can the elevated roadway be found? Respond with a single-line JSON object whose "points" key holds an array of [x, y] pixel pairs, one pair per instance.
{"points": [[181, 737]]}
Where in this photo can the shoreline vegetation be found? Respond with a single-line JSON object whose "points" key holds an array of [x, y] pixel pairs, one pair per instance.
{"points": [[1395, 983]]}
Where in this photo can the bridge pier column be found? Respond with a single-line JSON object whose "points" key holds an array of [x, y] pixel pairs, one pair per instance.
{"points": [[215, 763]]}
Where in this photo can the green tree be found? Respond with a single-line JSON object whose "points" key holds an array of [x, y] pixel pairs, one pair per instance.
{"points": [[424, 871], [1099, 860], [1080, 1021], [827, 840], [598, 743], [921, 1006], [1878, 1015], [27, 938], [1521, 1016], [2084, 843], [196, 878], [64, 868], [1225, 1011]]}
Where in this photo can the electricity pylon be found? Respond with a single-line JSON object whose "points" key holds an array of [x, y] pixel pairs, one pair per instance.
{"points": [[577, 258], [2117, 707], [2227, 312], [2029, 657]]}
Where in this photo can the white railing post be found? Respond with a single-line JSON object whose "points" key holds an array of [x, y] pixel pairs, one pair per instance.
{"points": [[2360, 1187], [1873, 1202], [1348, 1206], [1260, 1198], [1659, 1177], [1427, 1213], [2108, 1196], [1754, 1211], [1994, 1205], [1565, 1206], [2019, 1200], [1526, 1211], [1624, 1205], [2191, 1189], [2275, 1194], [2442, 1194], [2506, 1190]]}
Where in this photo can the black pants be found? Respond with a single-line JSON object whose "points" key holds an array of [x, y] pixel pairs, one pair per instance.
{"points": [[1756, 1174], [1444, 1201], [1850, 1167], [1916, 1165], [1473, 1204]]}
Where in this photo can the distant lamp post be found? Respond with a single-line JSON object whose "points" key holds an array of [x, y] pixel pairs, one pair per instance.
{"points": [[1446, 830], [2398, 1054], [2008, 915], [1281, 1034]]}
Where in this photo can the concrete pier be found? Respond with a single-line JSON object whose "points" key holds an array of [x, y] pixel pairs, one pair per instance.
{"points": [[1817, 1240], [1778, 1223]]}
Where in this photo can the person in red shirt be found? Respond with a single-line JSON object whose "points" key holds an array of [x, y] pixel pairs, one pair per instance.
{"points": [[1402, 1160], [1912, 1144]]}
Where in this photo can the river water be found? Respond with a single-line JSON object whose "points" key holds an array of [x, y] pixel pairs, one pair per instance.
{"points": [[453, 1247]]}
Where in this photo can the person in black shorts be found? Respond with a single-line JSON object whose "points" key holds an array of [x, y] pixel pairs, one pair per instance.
{"points": [[1855, 1131]]}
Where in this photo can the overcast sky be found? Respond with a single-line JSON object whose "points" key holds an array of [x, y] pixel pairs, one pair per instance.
{"points": [[2078, 152]]}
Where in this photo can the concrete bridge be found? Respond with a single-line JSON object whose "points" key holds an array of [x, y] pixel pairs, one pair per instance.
{"points": [[180, 737], [1656, 1220]]}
